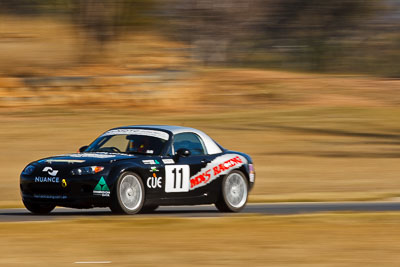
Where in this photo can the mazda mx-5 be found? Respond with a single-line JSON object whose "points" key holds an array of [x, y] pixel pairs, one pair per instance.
{"points": [[139, 168]]}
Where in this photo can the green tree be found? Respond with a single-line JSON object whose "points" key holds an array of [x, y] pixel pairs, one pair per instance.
{"points": [[315, 25]]}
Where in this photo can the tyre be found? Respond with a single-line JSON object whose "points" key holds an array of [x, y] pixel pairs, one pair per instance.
{"points": [[36, 208], [234, 192], [128, 194], [148, 208]]}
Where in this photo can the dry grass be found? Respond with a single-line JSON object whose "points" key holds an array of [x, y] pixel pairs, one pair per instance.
{"points": [[306, 240]]}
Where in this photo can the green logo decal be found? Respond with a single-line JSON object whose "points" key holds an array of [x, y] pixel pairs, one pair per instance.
{"points": [[153, 169], [156, 161], [102, 188]]}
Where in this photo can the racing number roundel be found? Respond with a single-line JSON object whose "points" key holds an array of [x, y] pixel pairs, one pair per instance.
{"points": [[177, 178]]}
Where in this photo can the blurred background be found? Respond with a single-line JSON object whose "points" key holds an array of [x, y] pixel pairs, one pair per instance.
{"points": [[310, 89]]}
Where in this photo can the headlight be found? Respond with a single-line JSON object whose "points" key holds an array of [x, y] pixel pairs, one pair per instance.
{"points": [[87, 170], [28, 170]]}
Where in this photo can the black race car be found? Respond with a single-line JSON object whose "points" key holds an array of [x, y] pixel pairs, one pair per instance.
{"points": [[138, 168]]}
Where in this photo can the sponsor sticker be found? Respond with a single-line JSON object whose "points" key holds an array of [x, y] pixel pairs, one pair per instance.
{"points": [[40, 179], [101, 189], [50, 171], [154, 169], [252, 177], [49, 196], [152, 133], [90, 155], [219, 166], [168, 161], [154, 181], [150, 161], [64, 183], [65, 161], [252, 173]]}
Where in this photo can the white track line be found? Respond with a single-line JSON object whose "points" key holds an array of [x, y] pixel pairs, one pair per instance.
{"points": [[92, 262]]}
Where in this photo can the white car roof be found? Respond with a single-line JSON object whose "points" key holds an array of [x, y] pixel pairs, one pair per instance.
{"points": [[211, 146]]}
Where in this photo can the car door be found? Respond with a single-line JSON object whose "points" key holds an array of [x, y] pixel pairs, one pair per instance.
{"points": [[177, 175]]}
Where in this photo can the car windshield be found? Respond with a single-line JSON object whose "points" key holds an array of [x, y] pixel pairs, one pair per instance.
{"points": [[130, 141]]}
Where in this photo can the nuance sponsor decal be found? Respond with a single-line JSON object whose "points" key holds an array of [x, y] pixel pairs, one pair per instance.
{"points": [[219, 166], [50, 171], [39, 179]]}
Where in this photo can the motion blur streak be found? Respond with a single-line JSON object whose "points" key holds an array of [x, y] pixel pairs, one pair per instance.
{"points": [[355, 36]]}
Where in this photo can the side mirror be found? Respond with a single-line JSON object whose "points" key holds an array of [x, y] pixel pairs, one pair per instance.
{"points": [[82, 149], [182, 152]]}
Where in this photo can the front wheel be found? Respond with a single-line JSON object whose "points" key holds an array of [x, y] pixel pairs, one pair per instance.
{"points": [[41, 209], [234, 193], [128, 194]]}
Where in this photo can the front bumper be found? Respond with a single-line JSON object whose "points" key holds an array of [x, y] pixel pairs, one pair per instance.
{"points": [[73, 191]]}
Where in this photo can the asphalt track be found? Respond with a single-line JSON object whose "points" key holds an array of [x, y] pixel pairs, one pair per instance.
{"points": [[21, 215]]}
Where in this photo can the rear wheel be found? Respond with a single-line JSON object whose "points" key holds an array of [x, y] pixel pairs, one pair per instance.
{"points": [[128, 194], [234, 192], [36, 208]]}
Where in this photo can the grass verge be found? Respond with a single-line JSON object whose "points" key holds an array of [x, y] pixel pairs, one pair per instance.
{"points": [[300, 240]]}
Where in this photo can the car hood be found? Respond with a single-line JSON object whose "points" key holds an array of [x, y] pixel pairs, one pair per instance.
{"points": [[86, 158]]}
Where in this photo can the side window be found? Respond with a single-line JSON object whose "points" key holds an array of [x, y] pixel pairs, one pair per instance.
{"points": [[189, 141]]}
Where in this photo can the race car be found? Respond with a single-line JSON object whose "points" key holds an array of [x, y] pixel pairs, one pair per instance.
{"points": [[138, 168]]}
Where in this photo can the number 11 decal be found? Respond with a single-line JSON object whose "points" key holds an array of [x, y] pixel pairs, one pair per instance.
{"points": [[177, 178]]}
